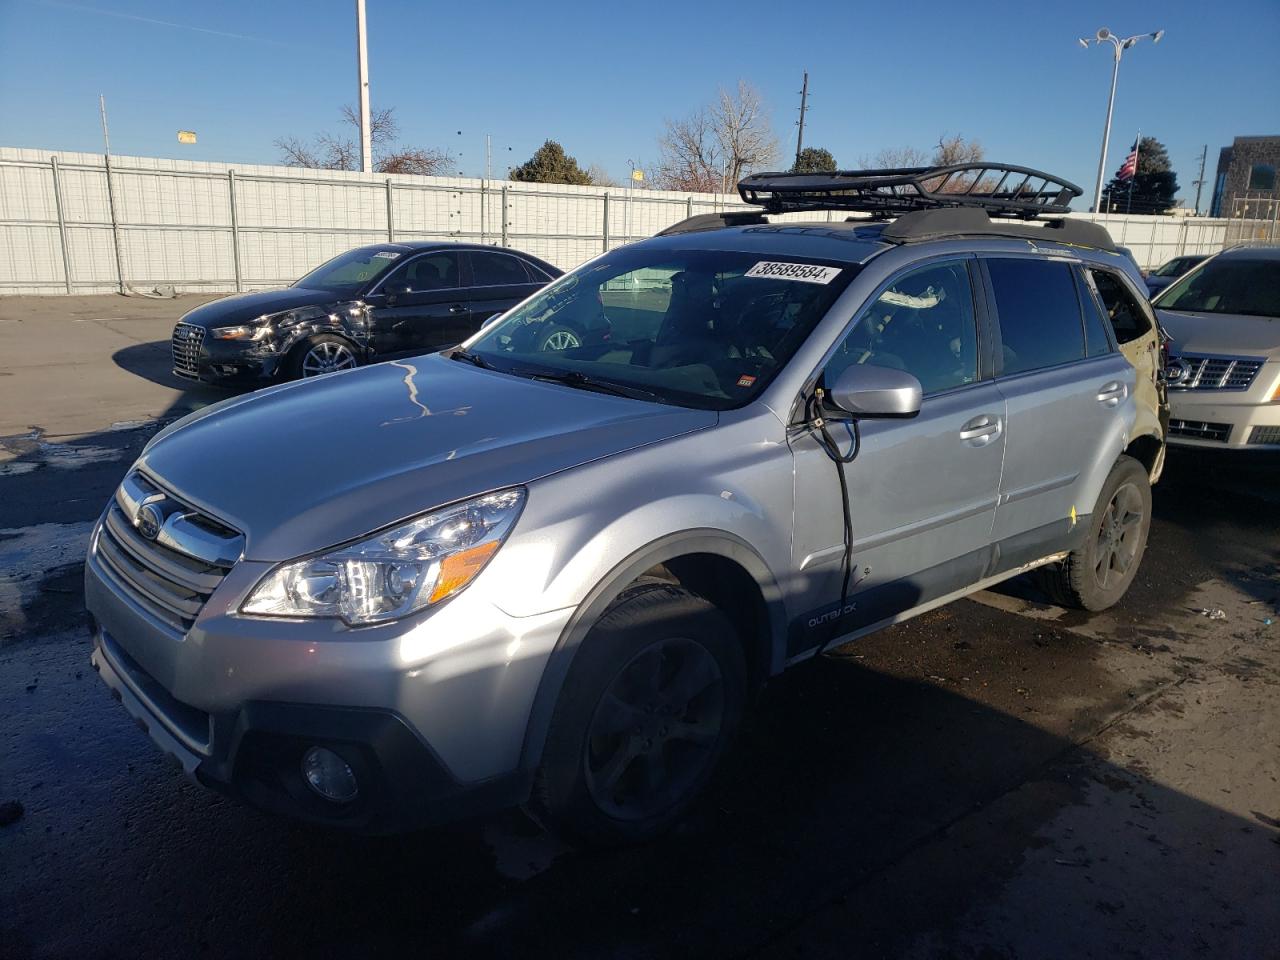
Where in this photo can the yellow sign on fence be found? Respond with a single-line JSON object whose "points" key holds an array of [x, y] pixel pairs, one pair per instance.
{"points": [[186, 136]]}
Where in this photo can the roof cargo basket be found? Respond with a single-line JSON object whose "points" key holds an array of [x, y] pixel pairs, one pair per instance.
{"points": [[1000, 189]]}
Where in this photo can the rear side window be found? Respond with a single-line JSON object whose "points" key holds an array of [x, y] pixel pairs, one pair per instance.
{"points": [[1095, 325], [1039, 313], [1128, 320], [497, 270]]}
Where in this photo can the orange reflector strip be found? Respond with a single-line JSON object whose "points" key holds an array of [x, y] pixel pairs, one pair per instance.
{"points": [[459, 570]]}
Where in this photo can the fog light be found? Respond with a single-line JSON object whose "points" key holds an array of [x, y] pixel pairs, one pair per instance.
{"points": [[328, 775]]}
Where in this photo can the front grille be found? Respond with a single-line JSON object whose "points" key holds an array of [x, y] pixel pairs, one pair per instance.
{"points": [[162, 553], [1217, 373], [186, 343], [1264, 435], [1199, 430]]}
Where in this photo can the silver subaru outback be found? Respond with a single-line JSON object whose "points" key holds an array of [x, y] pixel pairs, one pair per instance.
{"points": [[552, 571]]}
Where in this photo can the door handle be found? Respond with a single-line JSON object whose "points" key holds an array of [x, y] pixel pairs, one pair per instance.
{"points": [[457, 308], [1112, 393], [981, 430]]}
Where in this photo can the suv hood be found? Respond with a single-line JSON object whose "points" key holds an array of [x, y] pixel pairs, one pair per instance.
{"points": [[1223, 334], [307, 465], [249, 306]]}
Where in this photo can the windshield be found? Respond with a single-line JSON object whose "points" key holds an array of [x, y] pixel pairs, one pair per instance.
{"points": [[1227, 285], [349, 272], [694, 328]]}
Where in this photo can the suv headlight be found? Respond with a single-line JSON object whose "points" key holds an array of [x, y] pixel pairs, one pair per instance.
{"points": [[396, 572]]}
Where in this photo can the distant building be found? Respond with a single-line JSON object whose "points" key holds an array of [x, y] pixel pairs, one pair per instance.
{"points": [[1246, 171]]}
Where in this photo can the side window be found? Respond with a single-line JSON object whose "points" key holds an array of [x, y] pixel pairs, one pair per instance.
{"points": [[923, 323], [1128, 320], [1096, 340], [1039, 313], [435, 271], [536, 275], [496, 270]]}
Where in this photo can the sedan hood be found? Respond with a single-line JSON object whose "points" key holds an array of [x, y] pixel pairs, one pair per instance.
{"points": [[303, 466], [244, 307], [1221, 334]]}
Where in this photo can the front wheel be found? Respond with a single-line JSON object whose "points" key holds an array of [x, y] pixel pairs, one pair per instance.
{"points": [[1096, 575], [557, 339], [322, 354], [652, 702]]}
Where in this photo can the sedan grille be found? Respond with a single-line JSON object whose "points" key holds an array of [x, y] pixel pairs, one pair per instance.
{"points": [[1199, 430], [1216, 373], [163, 554], [186, 343]]}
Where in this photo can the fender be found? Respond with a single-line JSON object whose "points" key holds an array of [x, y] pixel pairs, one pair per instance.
{"points": [[665, 548]]}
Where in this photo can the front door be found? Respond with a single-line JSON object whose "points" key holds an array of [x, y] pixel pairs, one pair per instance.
{"points": [[418, 307], [922, 491]]}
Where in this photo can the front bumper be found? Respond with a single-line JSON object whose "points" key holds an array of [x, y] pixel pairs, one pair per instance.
{"points": [[1223, 421], [430, 714], [227, 361]]}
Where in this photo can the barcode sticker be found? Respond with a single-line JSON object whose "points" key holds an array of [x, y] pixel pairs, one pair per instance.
{"points": [[804, 272], [386, 255]]}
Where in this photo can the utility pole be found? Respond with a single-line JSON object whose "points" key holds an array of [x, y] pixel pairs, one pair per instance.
{"points": [[362, 68], [804, 104], [1200, 180]]}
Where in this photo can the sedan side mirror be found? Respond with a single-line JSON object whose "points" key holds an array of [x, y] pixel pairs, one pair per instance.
{"points": [[868, 391]]}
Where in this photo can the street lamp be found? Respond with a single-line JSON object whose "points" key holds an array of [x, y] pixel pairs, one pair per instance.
{"points": [[1119, 46]]}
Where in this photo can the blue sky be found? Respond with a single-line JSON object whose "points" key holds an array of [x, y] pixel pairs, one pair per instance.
{"points": [[601, 77]]}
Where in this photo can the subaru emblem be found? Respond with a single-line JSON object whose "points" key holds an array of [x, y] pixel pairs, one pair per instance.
{"points": [[149, 521]]}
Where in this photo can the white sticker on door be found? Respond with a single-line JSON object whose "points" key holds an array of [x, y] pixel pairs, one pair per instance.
{"points": [[804, 272]]}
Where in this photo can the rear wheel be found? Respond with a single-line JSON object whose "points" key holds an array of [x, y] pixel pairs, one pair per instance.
{"points": [[322, 354], [1096, 576], [652, 702], [558, 338]]}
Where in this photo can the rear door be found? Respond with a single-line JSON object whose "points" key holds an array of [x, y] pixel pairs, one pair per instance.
{"points": [[922, 492], [498, 281], [416, 308], [1068, 411]]}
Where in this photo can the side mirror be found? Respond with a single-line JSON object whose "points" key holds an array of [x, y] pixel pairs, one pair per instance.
{"points": [[867, 391], [490, 320]]}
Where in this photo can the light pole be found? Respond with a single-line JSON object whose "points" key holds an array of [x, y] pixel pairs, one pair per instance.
{"points": [[362, 71], [1119, 46]]}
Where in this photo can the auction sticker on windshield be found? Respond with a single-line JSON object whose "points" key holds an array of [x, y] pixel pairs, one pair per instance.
{"points": [[804, 272]]}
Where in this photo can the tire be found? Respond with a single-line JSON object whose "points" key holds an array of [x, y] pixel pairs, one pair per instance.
{"points": [[1095, 576], [653, 701], [308, 358], [558, 337]]}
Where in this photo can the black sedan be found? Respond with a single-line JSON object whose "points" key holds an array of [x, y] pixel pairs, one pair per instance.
{"points": [[1165, 274], [371, 303]]}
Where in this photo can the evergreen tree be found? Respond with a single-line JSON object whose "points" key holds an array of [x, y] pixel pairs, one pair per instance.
{"points": [[1151, 190], [550, 164]]}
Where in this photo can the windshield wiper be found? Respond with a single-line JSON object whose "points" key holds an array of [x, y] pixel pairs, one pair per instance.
{"points": [[582, 381], [472, 358]]}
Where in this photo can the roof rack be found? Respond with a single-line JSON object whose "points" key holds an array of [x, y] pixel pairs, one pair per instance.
{"points": [[715, 221], [1002, 190], [922, 225]]}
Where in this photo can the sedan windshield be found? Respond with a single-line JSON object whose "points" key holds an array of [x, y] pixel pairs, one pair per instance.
{"points": [[694, 328], [1227, 285], [348, 273], [1176, 267]]}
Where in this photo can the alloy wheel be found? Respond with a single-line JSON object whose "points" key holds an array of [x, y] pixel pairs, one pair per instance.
{"points": [[327, 357], [1119, 536], [561, 340]]}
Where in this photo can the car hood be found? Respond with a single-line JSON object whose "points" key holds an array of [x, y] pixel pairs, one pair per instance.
{"points": [[1156, 284], [303, 466], [248, 306], [1224, 334]]}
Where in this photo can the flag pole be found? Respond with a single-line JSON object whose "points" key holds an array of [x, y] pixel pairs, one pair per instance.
{"points": [[1137, 152]]}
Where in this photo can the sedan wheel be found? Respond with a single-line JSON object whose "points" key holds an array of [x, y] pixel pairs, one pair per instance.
{"points": [[328, 356]]}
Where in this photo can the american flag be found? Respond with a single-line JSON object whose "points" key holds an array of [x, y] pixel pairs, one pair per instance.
{"points": [[1130, 166]]}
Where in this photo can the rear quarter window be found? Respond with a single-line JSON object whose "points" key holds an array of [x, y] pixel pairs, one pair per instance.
{"points": [[1038, 311]]}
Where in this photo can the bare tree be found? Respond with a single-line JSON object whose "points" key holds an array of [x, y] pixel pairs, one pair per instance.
{"points": [[894, 158], [600, 176], [716, 145], [338, 152], [956, 149]]}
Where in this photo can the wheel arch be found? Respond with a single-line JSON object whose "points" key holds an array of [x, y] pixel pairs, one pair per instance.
{"points": [[730, 563]]}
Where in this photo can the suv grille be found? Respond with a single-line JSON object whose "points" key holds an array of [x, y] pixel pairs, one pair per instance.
{"points": [[187, 339], [1199, 430], [1217, 373], [163, 554]]}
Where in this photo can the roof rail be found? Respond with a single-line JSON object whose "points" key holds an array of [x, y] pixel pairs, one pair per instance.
{"points": [[1002, 190], [922, 225], [714, 221]]}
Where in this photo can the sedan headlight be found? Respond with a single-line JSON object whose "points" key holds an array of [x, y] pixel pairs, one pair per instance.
{"points": [[396, 572], [243, 331]]}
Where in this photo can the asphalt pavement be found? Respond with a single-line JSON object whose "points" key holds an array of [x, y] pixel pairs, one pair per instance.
{"points": [[997, 779]]}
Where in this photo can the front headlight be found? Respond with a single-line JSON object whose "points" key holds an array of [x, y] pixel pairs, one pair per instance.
{"points": [[244, 331], [396, 572]]}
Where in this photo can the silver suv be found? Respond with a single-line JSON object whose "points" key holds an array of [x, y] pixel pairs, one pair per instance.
{"points": [[527, 571]]}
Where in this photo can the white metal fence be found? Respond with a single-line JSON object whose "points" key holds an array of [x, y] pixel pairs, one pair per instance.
{"points": [[66, 227]]}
